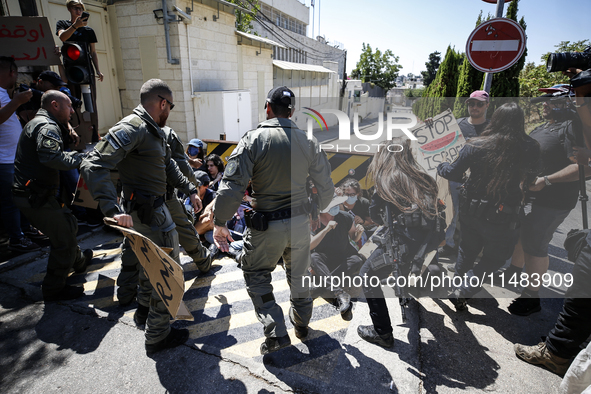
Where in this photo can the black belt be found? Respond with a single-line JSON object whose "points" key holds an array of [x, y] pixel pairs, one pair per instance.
{"points": [[157, 202], [285, 213]]}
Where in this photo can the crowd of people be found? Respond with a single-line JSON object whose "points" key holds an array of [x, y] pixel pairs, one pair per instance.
{"points": [[510, 192]]}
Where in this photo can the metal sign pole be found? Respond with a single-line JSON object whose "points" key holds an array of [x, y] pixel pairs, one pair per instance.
{"points": [[488, 76]]}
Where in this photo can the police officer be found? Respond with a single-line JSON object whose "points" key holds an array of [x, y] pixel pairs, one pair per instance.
{"points": [[278, 157], [39, 158], [188, 237], [500, 160], [137, 147]]}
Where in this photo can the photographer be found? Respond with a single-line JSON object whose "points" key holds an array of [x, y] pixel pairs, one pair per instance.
{"points": [[553, 194], [76, 29], [500, 160]]}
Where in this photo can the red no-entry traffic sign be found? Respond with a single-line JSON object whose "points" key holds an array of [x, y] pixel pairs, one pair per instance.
{"points": [[495, 45]]}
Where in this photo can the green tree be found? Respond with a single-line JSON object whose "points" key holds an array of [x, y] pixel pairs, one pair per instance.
{"points": [[380, 68], [432, 66], [441, 93], [469, 80], [244, 19], [506, 83]]}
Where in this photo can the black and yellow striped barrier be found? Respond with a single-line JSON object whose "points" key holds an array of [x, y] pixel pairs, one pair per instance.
{"points": [[343, 164]]}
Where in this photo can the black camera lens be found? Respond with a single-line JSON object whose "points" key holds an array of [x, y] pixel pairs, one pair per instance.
{"points": [[565, 60]]}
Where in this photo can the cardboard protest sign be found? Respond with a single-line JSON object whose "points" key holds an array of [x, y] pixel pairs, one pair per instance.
{"points": [[165, 274], [439, 141], [83, 197], [29, 40]]}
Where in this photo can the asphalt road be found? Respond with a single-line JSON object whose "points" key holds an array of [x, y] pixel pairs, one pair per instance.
{"points": [[91, 344]]}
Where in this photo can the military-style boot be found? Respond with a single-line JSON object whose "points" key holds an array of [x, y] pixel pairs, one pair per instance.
{"points": [[541, 355]]}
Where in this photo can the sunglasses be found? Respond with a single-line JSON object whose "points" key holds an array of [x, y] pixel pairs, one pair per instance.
{"points": [[478, 104], [169, 103]]}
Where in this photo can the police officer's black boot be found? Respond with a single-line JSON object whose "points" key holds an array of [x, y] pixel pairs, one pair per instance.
{"points": [[175, 338], [272, 344], [370, 334], [300, 331]]}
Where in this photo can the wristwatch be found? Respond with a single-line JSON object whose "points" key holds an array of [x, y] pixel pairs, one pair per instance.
{"points": [[546, 180]]}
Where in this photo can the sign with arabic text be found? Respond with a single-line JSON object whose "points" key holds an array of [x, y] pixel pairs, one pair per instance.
{"points": [[29, 40]]}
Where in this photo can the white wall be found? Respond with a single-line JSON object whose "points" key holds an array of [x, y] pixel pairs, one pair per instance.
{"points": [[215, 57]]}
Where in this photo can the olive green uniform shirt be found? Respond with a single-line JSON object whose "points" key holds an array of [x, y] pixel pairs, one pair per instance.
{"points": [[40, 153], [138, 148], [277, 157]]}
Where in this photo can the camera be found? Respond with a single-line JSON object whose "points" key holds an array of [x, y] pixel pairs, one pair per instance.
{"points": [[36, 93], [76, 103], [565, 60]]}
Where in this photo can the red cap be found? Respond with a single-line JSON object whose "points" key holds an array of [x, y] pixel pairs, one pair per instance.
{"points": [[480, 95]]}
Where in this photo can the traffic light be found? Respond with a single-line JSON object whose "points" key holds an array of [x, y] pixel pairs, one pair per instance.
{"points": [[77, 62]]}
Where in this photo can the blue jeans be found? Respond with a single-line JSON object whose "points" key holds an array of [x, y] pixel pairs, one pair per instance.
{"points": [[11, 216]]}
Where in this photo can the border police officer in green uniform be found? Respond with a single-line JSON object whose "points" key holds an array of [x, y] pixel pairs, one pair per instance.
{"points": [[39, 158], [137, 146], [278, 158], [188, 237]]}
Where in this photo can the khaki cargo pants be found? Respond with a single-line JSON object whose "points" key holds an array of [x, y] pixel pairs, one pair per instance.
{"points": [[61, 227], [290, 239], [163, 233]]}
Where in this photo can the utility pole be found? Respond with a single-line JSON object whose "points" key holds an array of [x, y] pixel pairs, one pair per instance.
{"points": [[488, 77], [318, 17], [344, 84], [313, 9]]}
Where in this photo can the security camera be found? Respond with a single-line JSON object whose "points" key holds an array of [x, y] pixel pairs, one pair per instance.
{"points": [[187, 20]]}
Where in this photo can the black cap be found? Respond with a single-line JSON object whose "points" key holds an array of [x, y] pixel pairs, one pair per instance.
{"points": [[52, 77], [281, 96], [202, 177]]}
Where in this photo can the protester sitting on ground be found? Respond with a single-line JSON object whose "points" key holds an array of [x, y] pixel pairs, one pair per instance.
{"points": [[195, 151], [215, 168], [356, 203], [334, 253], [410, 196], [502, 159], [204, 218]]}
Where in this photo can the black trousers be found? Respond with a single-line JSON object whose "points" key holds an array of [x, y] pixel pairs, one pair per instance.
{"points": [[573, 326], [374, 295], [321, 262]]}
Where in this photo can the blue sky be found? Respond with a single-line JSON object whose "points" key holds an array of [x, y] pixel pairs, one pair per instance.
{"points": [[413, 29]]}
